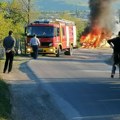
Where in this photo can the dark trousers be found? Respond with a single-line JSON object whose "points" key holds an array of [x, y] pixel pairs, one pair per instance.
{"points": [[116, 61], [9, 61], [35, 51]]}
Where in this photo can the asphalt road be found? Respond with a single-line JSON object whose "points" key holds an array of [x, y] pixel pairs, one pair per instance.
{"points": [[81, 84]]}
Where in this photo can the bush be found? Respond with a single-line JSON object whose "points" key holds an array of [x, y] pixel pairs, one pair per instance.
{"points": [[5, 106]]}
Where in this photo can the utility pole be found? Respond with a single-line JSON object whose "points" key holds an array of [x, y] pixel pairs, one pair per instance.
{"points": [[29, 11]]}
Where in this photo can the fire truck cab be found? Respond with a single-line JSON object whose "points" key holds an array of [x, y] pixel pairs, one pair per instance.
{"points": [[56, 36]]}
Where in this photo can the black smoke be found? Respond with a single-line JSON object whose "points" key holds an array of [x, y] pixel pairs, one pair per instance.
{"points": [[101, 13]]}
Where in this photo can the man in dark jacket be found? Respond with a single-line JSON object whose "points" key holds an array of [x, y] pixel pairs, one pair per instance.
{"points": [[115, 44], [8, 44]]}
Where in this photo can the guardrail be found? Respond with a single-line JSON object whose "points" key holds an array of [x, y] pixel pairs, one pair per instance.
{"points": [[2, 53]]}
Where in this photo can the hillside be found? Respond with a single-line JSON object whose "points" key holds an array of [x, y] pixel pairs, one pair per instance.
{"points": [[61, 5]]}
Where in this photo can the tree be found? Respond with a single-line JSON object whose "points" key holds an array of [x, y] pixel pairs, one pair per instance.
{"points": [[14, 15], [4, 23], [29, 10]]}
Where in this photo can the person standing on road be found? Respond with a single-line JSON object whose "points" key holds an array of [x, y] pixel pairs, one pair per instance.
{"points": [[34, 43], [115, 44], [8, 44]]}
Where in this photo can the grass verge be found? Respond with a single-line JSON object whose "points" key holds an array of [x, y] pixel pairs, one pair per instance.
{"points": [[5, 106]]}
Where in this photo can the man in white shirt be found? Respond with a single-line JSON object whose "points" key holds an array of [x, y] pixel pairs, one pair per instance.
{"points": [[35, 43]]}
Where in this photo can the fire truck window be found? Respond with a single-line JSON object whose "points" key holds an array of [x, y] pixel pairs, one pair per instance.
{"points": [[44, 31], [55, 31], [58, 31], [28, 30]]}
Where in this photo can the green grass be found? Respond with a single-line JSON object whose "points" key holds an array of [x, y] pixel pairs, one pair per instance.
{"points": [[5, 106]]}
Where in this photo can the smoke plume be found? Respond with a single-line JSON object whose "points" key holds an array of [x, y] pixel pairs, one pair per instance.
{"points": [[102, 22], [101, 14]]}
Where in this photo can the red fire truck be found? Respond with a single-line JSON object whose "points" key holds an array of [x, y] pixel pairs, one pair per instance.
{"points": [[56, 36]]}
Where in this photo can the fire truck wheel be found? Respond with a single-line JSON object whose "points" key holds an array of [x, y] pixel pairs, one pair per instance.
{"points": [[58, 52], [69, 51]]}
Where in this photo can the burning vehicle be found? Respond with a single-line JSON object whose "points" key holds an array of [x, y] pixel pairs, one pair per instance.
{"points": [[102, 24]]}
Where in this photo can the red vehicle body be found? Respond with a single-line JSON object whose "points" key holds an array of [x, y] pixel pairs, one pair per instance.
{"points": [[55, 36]]}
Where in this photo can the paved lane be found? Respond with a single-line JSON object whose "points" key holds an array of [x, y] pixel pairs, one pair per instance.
{"points": [[83, 83]]}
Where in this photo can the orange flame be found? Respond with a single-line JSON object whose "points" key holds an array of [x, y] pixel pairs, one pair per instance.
{"points": [[94, 38]]}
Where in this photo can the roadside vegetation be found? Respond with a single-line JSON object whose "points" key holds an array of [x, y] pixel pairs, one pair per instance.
{"points": [[14, 16], [5, 106]]}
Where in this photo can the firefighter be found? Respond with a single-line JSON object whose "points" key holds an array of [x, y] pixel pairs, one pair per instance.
{"points": [[34, 43], [8, 44], [115, 44]]}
